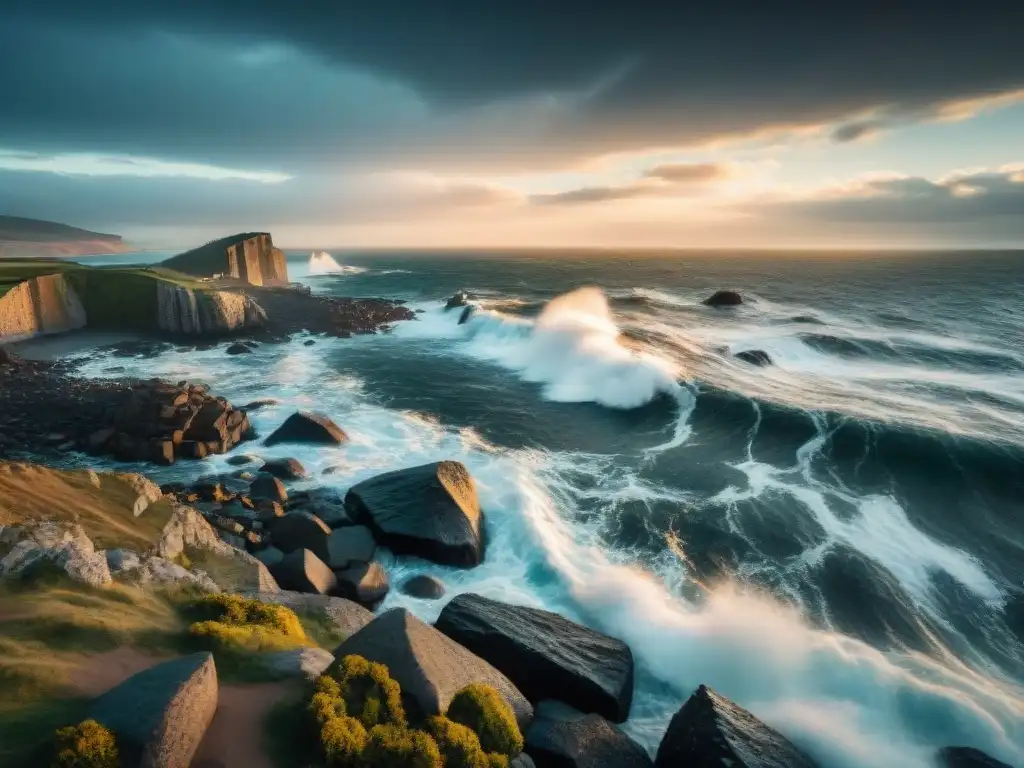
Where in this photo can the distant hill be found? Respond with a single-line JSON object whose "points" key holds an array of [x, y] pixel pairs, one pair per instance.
{"points": [[34, 237]]}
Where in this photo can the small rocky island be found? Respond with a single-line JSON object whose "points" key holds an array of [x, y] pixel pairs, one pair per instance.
{"points": [[235, 620]]}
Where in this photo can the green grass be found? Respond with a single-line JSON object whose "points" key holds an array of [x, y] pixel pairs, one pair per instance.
{"points": [[31, 493]]}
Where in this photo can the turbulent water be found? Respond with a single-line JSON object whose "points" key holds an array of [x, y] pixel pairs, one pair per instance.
{"points": [[835, 540]]}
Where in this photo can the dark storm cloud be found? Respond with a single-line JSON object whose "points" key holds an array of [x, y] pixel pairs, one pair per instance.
{"points": [[408, 80]]}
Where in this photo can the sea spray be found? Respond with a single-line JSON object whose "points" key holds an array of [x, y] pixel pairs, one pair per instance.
{"points": [[323, 263]]}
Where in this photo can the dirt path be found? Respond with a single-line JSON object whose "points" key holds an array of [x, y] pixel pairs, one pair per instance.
{"points": [[234, 739]]}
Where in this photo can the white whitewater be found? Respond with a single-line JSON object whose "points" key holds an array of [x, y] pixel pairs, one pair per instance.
{"points": [[323, 263]]}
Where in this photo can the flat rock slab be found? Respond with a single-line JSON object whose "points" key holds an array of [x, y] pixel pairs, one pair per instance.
{"points": [[307, 427], [544, 654], [350, 546], [431, 511], [711, 730], [561, 737], [300, 530], [429, 666], [302, 571], [161, 714]]}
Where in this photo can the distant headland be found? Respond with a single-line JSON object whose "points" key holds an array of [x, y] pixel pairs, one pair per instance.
{"points": [[20, 237]]}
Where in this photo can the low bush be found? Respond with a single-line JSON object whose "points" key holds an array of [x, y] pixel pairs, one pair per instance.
{"points": [[324, 707], [86, 745], [370, 695], [343, 740], [460, 747], [392, 746], [233, 622], [481, 709]]}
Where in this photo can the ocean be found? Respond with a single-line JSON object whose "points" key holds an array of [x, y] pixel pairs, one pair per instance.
{"points": [[835, 540]]}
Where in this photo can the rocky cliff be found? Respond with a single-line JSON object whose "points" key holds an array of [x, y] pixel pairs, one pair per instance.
{"points": [[20, 237], [38, 306], [182, 310], [250, 257]]}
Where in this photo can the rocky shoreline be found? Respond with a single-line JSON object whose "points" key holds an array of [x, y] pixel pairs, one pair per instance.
{"points": [[249, 532]]}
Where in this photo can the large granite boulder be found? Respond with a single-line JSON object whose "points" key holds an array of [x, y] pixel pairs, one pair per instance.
{"points": [[307, 427], [161, 714], [431, 511], [544, 654], [429, 666], [267, 487], [710, 730], [967, 757], [346, 616], [302, 571], [308, 663], [561, 737], [301, 530], [350, 546], [285, 469], [366, 583]]}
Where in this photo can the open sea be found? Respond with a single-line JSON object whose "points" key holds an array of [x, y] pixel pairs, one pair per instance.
{"points": [[835, 541]]}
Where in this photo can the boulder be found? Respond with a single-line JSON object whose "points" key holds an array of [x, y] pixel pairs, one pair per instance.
{"points": [[346, 616], [431, 511], [309, 663], [723, 299], [161, 714], [967, 757], [366, 583], [269, 556], [255, 405], [466, 314], [429, 666], [544, 654], [459, 299], [710, 729], [300, 530], [119, 560], [285, 469], [302, 571], [307, 427], [240, 459], [238, 349], [349, 546], [424, 587], [562, 737], [268, 487], [157, 571], [754, 357]]}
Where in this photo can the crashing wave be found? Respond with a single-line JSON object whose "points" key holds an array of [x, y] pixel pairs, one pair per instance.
{"points": [[323, 263]]}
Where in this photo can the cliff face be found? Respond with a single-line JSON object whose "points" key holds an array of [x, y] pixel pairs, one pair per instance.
{"points": [[181, 310], [39, 306], [250, 257]]}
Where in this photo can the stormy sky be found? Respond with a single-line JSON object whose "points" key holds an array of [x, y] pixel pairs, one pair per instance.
{"points": [[748, 124]]}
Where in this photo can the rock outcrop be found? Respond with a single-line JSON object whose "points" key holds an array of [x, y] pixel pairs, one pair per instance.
{"points": [[161, 714], [429, 666], [711, 730], [561, 737], [66, 547], [163, 422], [431, 511], [346, 616], [307, 427], [250, 257], [38, 306], [723, 299], [544, 654]]}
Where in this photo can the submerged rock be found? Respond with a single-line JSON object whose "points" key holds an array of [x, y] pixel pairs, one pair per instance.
{"points": [[161, 714], [754, 357], [711, 730], [562, 737], [967, 757], [431, 511], [544, 654], [307, 427], [424, 587], [429, 666], [238, 349], [723, 299]]}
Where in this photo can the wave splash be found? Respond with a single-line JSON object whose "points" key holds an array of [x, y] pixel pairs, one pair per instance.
{"points": [[574, 348], [323, 263]]}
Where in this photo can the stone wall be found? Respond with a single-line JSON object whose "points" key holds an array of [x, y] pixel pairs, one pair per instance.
{"points": [[38, 306]]}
